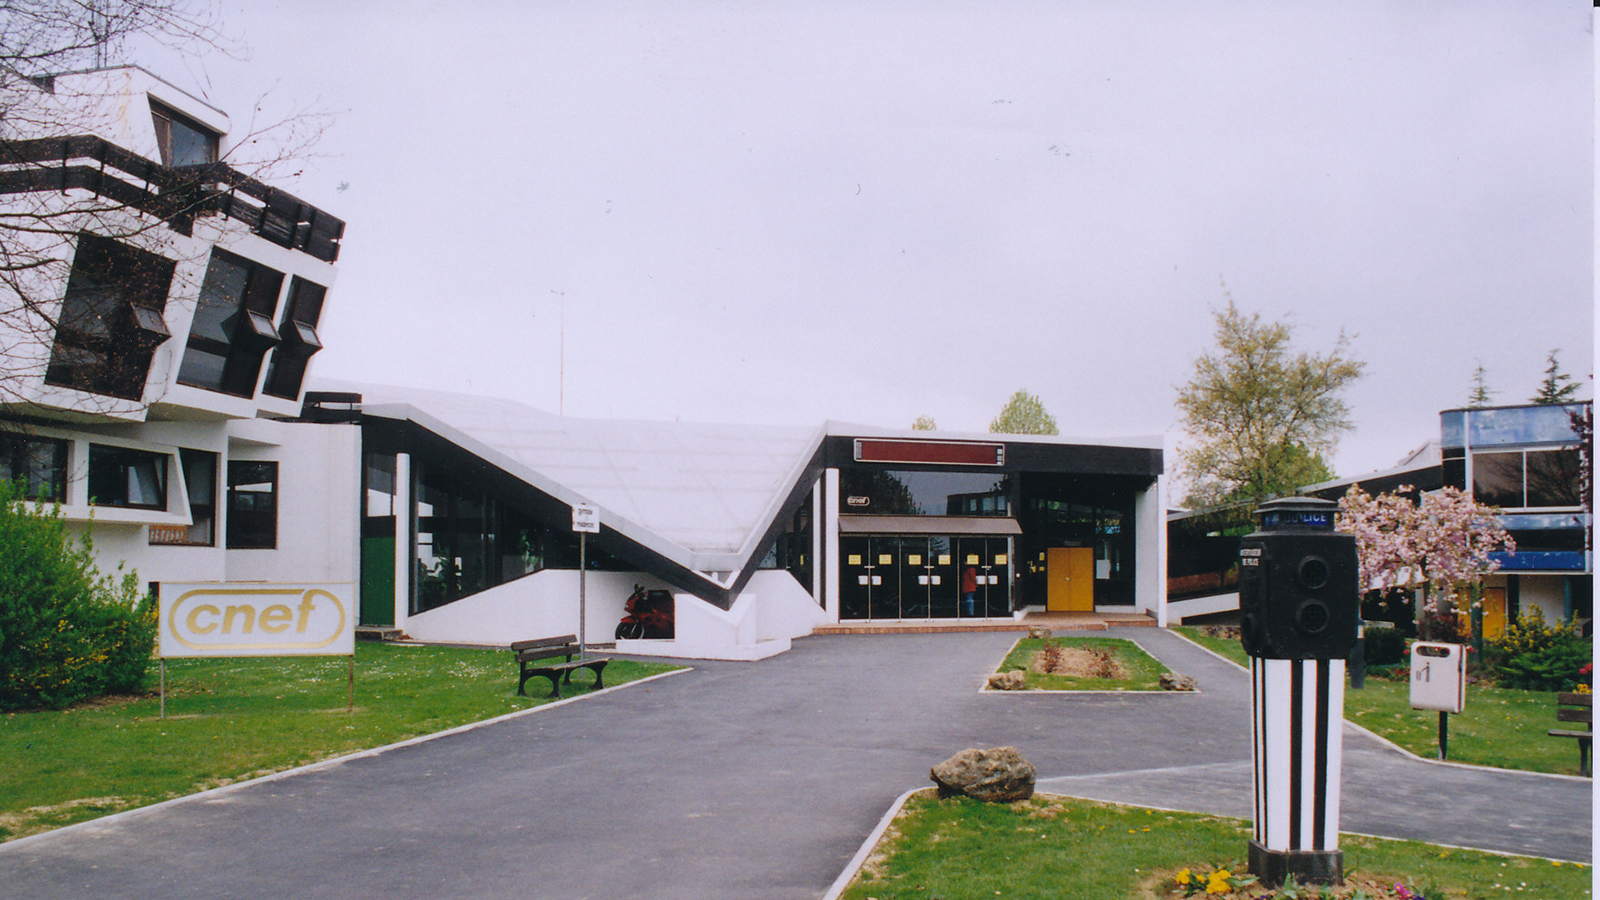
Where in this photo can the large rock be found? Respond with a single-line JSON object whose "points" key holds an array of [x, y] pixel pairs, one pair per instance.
{"points": [[996, 775], [1038, 632], [1009, 681], [1172, 681]]}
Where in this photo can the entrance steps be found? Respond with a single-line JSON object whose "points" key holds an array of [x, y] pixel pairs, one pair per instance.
{"points": [[379, 633], [1056, 621]]}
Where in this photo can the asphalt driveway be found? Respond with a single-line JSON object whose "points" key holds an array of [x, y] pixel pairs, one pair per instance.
{"points": [[742, 780]]}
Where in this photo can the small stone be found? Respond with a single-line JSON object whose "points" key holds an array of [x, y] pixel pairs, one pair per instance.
{"points": [[1039, 632], [996, 775], [1008, 681], [1172, 681]]}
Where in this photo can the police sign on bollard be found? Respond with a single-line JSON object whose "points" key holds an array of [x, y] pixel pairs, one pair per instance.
{"points": [[1298, 605]]}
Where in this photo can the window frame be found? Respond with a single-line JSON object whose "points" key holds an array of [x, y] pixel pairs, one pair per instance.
{"points": [[164, 117], [248, 338], [109, 466], [244, 529], [11, 450]]}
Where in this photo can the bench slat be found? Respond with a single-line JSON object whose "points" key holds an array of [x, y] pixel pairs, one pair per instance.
{"points": [[1571, 699], [1575, 715], [544, 642]]}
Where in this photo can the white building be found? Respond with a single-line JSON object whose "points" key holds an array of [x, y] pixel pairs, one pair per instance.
{"points": [[160, 394], [149, 359]]}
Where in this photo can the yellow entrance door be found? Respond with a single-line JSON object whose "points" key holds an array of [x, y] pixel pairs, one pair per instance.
{"points": [[1494, 612], [1070, 575]]}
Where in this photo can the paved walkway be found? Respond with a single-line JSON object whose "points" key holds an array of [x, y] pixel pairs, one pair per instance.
{"points": [[741, 780]]}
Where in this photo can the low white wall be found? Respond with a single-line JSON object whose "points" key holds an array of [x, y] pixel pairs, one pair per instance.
{"points": [[1178, 610], [768, 614], [544, 604], [1545, 593]]}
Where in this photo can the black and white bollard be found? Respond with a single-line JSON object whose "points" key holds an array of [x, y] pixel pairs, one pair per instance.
{"points": [[1298, 605]]}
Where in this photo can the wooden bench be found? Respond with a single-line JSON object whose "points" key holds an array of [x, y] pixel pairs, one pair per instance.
{"points": [[1576, 708], [530, 654]]}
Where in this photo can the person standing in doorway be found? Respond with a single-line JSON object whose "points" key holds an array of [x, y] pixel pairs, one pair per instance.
{"points": [[969, 591]]}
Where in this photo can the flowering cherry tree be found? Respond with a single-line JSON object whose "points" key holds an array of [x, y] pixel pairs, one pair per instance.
{"points": [[1441, 544]]}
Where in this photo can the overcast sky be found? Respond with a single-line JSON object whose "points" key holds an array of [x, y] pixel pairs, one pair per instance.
{"points": [[791, 212]]}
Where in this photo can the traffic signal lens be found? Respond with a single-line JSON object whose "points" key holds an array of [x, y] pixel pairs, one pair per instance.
{"points": [[1313, 573]]}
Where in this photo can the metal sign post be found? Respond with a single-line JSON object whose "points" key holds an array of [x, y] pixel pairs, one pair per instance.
{"points": [[585, 521]]}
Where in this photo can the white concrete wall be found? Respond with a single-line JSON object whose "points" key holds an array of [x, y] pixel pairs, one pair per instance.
{"points": [[1545, 593], [1150, 552], [319, 502], [544, 604]]}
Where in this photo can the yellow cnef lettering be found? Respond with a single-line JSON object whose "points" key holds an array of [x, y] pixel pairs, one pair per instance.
{"points": [[249, 613], [194, 618], [275, 618]]}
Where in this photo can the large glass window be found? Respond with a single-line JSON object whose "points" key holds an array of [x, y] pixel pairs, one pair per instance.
{"points": [[916, 492], [121, 476], [232, 329], [111, 319], [252, 505], [182, 140], [39, 463], [1527, 479]]}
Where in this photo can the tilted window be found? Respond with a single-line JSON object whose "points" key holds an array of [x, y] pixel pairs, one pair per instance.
{"points": [[111, 319], [287, 367], [232, 329], [182, 140]]}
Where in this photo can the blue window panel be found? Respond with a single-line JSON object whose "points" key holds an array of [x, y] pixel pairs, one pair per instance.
{"points": [[1544, 521], [1540, 561], [1508, 426]]}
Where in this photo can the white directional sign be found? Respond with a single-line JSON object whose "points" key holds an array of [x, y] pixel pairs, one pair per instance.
{"points": [[586, 517]]}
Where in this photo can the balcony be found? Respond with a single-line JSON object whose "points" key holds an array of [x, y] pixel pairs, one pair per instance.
{"points": [[175, 195]]}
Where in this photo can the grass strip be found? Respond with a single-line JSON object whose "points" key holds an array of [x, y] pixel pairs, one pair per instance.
{"points": [[1142, 671], [1500, 727], [1067, 849], [233, 719]]}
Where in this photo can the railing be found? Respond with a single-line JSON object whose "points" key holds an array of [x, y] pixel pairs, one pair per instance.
{"points": [[176, 195]]}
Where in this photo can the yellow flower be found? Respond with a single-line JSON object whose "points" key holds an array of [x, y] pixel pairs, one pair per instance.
{"points": [[1218, 882], [1183, 876]]}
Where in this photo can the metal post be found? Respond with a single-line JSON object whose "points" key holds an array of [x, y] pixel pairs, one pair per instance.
{"points": [[1444, 734], [583, 595], [350, 696], [1358, 657], [163, 687]]}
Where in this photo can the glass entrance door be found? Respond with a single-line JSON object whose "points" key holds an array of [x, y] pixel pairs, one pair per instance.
{"points": [[920, 577]]}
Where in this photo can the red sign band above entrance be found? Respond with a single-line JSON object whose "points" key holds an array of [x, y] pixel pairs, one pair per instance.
{"points": [[960, 453]]}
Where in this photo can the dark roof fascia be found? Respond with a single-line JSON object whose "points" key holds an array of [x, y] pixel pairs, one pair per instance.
{"points": [[383, 434], [1024, 456]]}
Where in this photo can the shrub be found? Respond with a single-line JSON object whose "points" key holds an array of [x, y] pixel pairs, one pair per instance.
{"points": [[1384, 646], [1536, 656], [66, 632]]}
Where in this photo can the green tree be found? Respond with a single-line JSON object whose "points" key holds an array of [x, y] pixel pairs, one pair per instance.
{"points": [[1481, 393], [1261, 417], [1023, 414], [924, 423], [1557, 387]]}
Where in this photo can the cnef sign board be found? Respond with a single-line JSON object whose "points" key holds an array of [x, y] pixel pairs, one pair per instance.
{"points": [[243, 619]]}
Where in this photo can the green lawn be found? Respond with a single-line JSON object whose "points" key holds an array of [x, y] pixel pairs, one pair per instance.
{"points": [[1065, 849], [1500, 727], [233, 719], [1143, 672]]}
